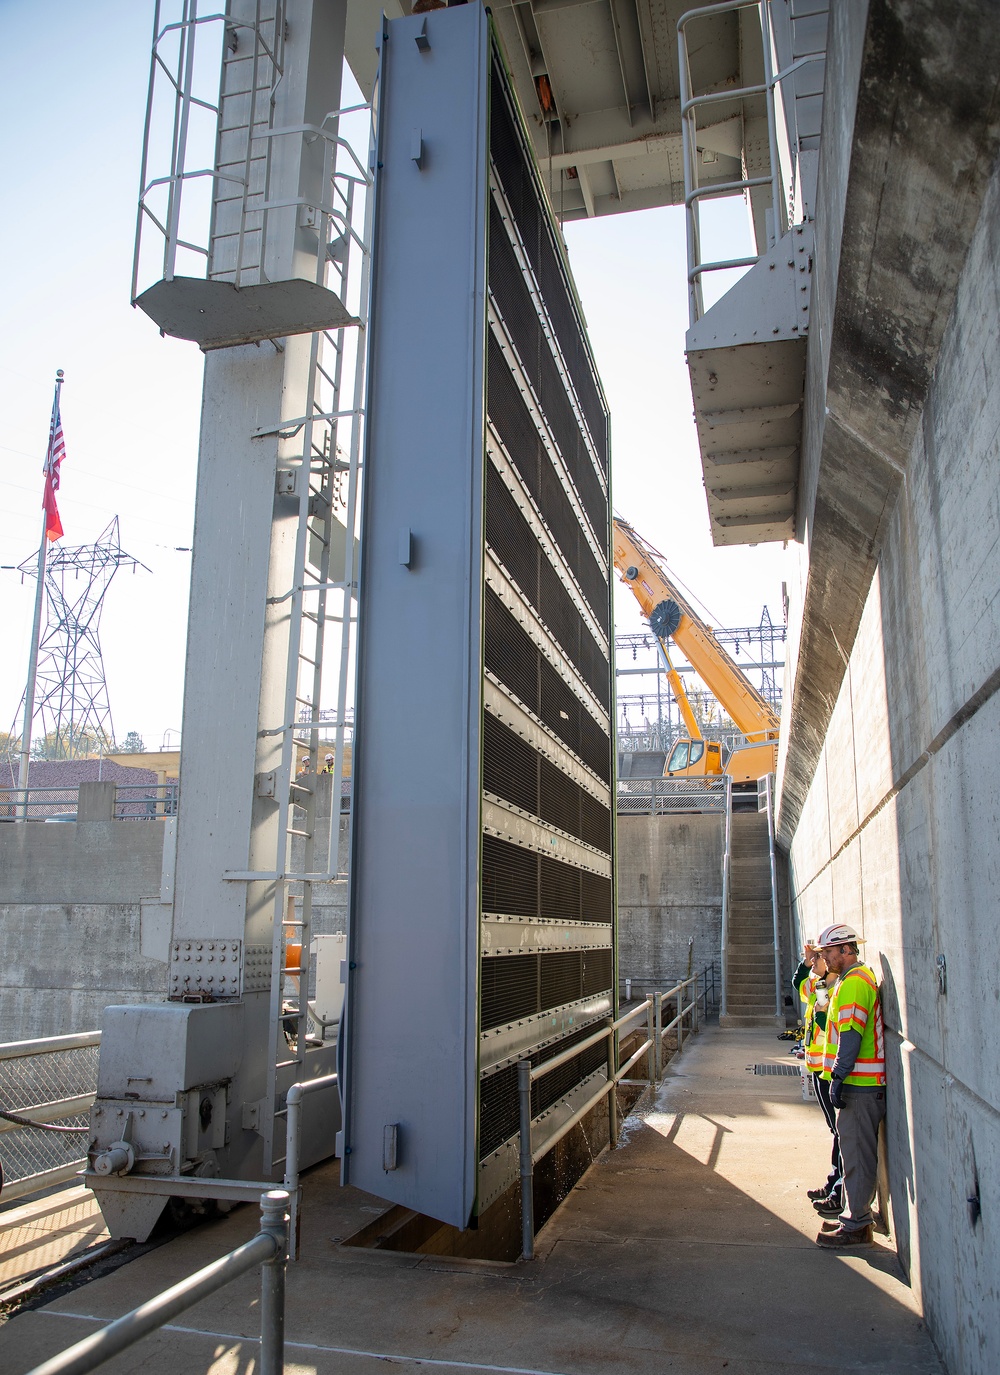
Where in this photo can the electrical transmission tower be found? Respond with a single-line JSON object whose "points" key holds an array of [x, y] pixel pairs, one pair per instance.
{"points": [[72, 712]]}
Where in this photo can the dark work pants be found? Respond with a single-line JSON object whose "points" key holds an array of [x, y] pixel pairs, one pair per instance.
{"points": [[857, 1125], [822, 1087]]}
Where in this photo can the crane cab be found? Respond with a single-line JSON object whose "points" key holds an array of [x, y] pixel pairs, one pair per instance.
{"points": [[694, 759]]}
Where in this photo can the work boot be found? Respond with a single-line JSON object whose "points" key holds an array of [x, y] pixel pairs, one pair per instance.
{"points": [[856, 1236], [830, 1226], [831, 1206]]}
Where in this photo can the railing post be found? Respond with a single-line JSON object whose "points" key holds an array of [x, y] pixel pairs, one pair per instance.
{"points": [[272, 1283], [694, 1006], [658, 1033], [612, 1081], [527, 1167], [651, 1074], [680, 1018]]}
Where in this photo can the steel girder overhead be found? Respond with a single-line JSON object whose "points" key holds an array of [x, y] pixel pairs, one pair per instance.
{"points": [[598, 83]]}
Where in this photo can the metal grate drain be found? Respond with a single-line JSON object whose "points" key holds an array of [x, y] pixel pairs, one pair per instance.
{"points": [[778, 1069]]}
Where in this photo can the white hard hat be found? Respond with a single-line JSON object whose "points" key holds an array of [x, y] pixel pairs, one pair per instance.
{"points": [[328, 759], [838, 934]]}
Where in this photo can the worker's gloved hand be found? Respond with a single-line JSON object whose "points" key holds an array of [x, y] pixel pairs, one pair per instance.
{"points": [[837, 1093]]}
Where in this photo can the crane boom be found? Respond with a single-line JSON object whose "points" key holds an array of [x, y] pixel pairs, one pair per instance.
{"points": [[671, 616]]}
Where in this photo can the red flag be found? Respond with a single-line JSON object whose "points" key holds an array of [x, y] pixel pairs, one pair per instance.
{"points": [[53, 459]]}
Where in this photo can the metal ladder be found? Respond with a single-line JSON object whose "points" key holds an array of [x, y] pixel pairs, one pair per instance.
{"points": [[325, 478]]}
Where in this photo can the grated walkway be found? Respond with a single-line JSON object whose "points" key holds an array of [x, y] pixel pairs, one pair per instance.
{"points": [[47, 1231], [689, 1249]]}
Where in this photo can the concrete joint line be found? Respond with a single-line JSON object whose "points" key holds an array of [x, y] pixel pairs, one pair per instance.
{"points": [[965, 713], [907, 1047], [390, 1357]]}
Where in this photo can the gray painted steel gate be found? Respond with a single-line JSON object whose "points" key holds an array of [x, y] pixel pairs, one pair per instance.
{"points": [[482, 906]]}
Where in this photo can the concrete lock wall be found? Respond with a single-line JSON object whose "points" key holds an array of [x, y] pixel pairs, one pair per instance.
{"points": [[73, 900], [900, 829], [85, 913], [669, 894]]}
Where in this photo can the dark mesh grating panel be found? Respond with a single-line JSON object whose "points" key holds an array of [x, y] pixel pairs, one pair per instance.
{"points": [[515, 986], [521, 883], [598, 971], [509, 290], [510, 766], [512, 419], [569, 497], [498, 1106], [511, 654], [595, 823], [515, 771], [509, 160], [509, 536], [559, 889], [510, 879], [509, 989], [562, 977], [595, 897]]}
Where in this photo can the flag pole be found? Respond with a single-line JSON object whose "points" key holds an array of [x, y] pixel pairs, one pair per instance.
{"points": [[29, 691]]}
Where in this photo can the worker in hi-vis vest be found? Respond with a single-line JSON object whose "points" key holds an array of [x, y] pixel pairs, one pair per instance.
{"points": [[813, 983], [854, 1063]]}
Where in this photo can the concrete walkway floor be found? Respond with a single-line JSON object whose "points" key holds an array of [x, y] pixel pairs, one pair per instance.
{"points": [[691, 1248]]}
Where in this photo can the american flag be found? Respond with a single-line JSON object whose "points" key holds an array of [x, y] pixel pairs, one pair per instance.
{"points": [[53, 459]]}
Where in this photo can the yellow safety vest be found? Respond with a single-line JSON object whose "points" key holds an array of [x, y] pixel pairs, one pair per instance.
{"points": [[855, 1006], [815, 1037]]}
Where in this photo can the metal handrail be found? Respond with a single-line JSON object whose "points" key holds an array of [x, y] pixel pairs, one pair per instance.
{"points": [[293, 1137], [726, 864], [691, 103], [773, 859], [651, 1048], [267, 1249]]}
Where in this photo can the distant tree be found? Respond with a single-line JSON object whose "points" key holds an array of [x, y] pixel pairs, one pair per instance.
{"points": [[133, 743], [10, 745], [69, 744]]}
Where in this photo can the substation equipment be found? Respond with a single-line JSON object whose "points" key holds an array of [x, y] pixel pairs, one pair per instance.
{"points": [[481, 923]]}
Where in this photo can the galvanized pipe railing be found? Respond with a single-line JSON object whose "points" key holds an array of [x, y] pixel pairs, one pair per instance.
{"points": [[652, 1049], [267, 1249], [293, 1138], [779, 1008], [726, 866]]}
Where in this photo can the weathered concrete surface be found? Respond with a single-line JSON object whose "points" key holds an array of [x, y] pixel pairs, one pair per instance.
{"points": [[669, 894], [911, 129], [689, 1249], [73, 898], [900, 830], [85, 912]]}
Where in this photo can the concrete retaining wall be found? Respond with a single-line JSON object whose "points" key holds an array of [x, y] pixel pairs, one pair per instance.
{"points": [[85, 911], [669, 894], [72, 902], [900, 829]]}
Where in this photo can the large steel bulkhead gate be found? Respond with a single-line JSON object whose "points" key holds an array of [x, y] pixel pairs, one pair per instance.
{"points": [[482, 906]]}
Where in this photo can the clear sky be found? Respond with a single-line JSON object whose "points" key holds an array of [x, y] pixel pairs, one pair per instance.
{"points": [[73, 82]]}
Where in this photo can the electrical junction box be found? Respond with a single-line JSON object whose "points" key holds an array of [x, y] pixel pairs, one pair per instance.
{"points": [[330, 952]]}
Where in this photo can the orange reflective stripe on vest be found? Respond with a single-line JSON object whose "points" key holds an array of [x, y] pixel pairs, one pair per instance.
{"points": [[855, 1006]]}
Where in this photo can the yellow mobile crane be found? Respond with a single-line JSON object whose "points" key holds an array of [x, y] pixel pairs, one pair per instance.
{"points": [[671, 617]]}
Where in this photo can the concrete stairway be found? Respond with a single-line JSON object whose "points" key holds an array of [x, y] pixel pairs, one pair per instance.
{"points": [[750, 991]]}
